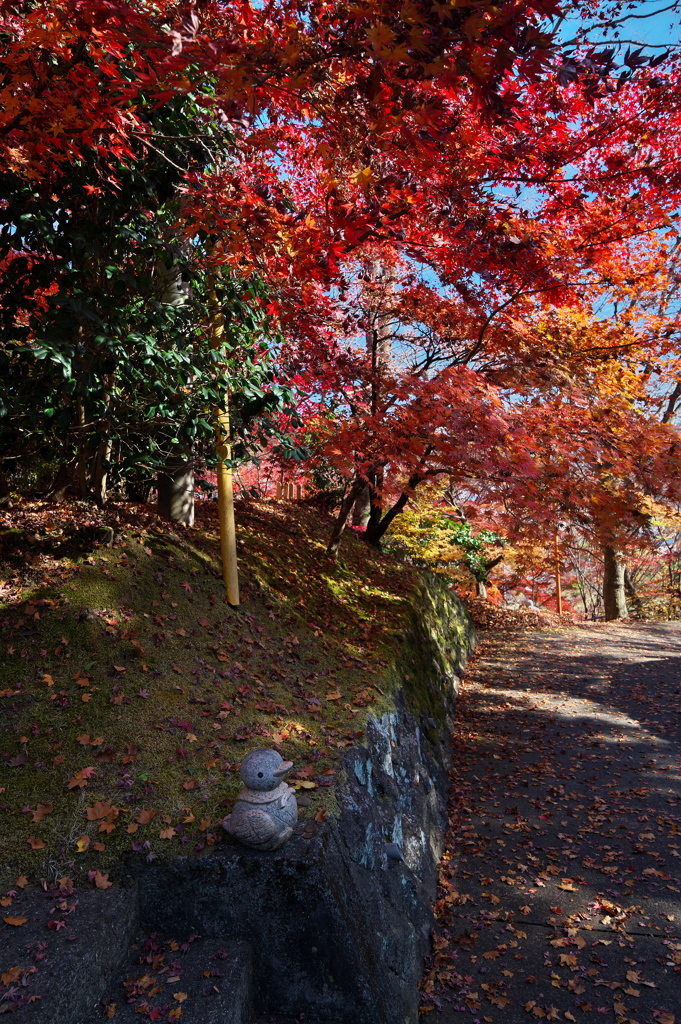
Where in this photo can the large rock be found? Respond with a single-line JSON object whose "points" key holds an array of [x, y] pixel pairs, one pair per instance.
{"points": [[339, 922]]}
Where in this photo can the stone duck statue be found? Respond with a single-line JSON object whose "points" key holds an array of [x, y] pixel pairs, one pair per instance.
{"points": [[265, 810]]}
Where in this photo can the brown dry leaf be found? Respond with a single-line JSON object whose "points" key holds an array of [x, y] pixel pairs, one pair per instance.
{"points": [[59, 759], [83, 739], [205, 823], [567, 885], [567, 960], [320, 815], [179, 996], [83, 843], [102, 881], [491, 955], [99, 847], [35, 844], [336, 695], [22, 881], [40, 812], [6, 901], [666, 1018], [620, 1009], [110, 1011], [16, 922], [81, 777], [120, 668], [569, 1016], [100, 810], [633, 976], [167, 833], [145, 816], [11, 976], [132, 827]]}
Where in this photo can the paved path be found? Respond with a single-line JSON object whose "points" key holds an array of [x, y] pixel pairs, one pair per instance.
{"points": [[561, 886]]}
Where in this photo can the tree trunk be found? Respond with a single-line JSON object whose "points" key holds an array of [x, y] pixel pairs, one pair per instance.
{"points": [[101, 471], [633, 594], [376, 530], [176, 491], [342, 517], [4, 492], [361, 510], [614, 598], [481, 589]]}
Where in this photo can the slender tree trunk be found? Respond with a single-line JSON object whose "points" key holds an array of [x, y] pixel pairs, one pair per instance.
{"points": [[342, 517], [375, 532], [104, 448], [101, 470], [81, 469], [361, 510], [633, 594], [614, 597], [175, 485], [481, 589]]}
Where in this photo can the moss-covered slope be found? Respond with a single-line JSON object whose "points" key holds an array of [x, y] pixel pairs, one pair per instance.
{"points": [[130, 691]]}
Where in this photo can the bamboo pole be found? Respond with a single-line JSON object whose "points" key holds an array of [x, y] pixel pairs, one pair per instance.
{"points": [[559, 589], [230, 570]]}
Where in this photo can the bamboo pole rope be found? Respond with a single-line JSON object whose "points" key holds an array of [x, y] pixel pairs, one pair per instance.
{"points": [[230, 570]]}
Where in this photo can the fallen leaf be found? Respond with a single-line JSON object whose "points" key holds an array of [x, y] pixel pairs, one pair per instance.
{"points": [[132, 827], [11, 976], [80, 778], [40, 812], [35, 844], [102, 881], [179, 996], [120, 668], [167, 833], [16, 922], [82, 843], [321, 814], [22, 881], [100, 810], [145, 816]]}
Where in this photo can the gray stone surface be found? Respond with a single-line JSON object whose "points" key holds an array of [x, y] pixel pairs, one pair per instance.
{"points": [[210, 980], [65, 969]]}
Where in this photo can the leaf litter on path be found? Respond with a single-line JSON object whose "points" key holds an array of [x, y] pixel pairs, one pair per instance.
{"points": [[560, 887]]}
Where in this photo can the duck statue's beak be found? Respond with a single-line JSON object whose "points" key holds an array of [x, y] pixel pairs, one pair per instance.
{"points": [[286, 766]]}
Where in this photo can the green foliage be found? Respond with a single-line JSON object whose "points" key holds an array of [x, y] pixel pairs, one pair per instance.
{"points": [[474, 547], [114, 361]]}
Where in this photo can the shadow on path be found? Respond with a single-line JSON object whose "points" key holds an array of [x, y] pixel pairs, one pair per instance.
{"points": [[560, 892]]}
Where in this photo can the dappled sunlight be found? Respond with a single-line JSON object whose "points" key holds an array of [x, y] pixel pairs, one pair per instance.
{"points": [[565, 838]]}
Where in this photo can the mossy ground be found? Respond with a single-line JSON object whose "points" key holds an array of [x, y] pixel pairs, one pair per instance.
{"points": [[127, 661]]}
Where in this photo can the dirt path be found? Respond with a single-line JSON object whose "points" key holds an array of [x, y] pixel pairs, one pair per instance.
{"points": [[561, 886]]}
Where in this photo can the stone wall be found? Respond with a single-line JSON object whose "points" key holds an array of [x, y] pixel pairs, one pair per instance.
{"points": [[339, 922]]}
